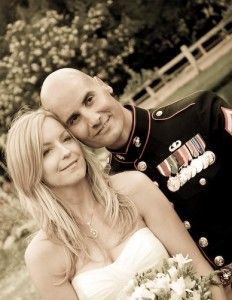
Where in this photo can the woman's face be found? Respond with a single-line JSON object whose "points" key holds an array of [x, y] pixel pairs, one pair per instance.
{"points": [[63, 161]]}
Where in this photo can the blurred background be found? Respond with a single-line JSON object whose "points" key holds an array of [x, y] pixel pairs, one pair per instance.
{"points": [[151, 52]]}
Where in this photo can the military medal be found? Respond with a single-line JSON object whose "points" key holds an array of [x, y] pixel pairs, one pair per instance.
{"points": [[184, 163], [193, 170], [196, 163], [173, 183], [210, 156], [185, 174], [204, 160]]}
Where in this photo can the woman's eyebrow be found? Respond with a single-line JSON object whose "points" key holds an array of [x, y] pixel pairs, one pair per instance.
{"points": [[59, 137]]}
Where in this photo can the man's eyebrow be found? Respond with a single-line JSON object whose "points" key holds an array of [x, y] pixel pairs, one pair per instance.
{"points": [[85, 97]]}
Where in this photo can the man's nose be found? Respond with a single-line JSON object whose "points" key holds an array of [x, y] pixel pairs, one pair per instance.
{"points": [[94, 119]]}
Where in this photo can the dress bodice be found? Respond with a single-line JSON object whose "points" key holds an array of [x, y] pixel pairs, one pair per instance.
{"points": [[142, 250]]}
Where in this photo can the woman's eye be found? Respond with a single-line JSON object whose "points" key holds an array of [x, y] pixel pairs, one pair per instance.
{"points": [[67, 139], [45, 152]]}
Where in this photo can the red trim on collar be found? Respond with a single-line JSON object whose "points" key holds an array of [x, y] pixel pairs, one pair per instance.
{"points": [[133, 128], [148, 134], [126, 147]]}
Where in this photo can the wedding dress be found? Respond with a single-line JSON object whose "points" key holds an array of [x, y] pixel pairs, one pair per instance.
{"points": [[142, 250]]}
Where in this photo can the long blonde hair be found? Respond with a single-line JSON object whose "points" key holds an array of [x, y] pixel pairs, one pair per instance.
{"points": [[24, 153]]}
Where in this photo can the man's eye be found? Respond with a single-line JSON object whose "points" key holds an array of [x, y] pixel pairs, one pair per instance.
{"points": [[89, 100], [73, 120]]}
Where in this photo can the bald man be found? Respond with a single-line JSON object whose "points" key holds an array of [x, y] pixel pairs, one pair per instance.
{"points": [[184, 147], [86, 106]]}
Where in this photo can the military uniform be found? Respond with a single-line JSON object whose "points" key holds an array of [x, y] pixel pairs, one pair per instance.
{"points": [[186, 149]]}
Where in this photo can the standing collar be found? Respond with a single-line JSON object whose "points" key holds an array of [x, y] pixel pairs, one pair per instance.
{"points": [[137, 141]]}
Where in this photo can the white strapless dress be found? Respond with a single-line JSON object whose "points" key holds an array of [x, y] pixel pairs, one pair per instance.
{"points": [[142, 250]]}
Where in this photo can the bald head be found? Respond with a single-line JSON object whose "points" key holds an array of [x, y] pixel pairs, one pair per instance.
{"points": [[86, 106], [59, 85]]}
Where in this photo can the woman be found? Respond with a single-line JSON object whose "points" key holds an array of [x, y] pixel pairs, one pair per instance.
{"points": [[96, 232]]}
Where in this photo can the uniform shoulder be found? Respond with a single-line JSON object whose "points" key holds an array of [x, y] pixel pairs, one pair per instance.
{"points": [[174, 108], [193, 98]]}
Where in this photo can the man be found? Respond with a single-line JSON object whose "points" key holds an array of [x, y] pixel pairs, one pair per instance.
{"points": [[186, 147]]}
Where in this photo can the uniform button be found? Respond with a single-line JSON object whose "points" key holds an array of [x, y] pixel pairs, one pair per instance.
{"points": [[187, 224], [137, 142], [159, 113], [219, 261], [202, 181], [142, 166], [156, 183], [203, 242]]}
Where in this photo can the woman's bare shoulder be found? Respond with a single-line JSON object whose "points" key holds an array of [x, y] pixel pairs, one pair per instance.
{"points": [[130, 182], [43, 252]]}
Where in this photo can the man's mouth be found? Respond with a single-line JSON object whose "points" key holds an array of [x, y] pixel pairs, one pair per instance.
{"points": [[103, 127]]}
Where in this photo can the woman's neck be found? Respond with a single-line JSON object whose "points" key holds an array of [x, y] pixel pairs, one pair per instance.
{"points": [[79, 198]]}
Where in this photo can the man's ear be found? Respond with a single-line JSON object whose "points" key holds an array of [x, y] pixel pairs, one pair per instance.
{"points": [[103, 84]]}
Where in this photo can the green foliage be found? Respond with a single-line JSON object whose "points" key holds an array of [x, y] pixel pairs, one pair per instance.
{"points": [[48, 41], [136, 81], [11, 214], [35, 49]]}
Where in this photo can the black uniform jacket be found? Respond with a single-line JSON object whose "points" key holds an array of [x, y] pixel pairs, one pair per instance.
{"points": [[186, 149]]}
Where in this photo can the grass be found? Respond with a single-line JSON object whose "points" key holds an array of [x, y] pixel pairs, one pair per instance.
{"points": [[213, 78]]}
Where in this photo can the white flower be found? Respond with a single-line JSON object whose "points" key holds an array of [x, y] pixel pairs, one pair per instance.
{"points": [[181, 260], [141, 292], [195, 295], [190, 283], [175, 296], [175, 279], [179, 287], [173, 272], [161, 282]]}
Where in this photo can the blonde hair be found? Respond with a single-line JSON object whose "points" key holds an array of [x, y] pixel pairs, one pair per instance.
{"points": [[24, 152]]}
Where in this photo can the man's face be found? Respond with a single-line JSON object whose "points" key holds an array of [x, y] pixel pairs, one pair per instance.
{"points": [[87, 108]]}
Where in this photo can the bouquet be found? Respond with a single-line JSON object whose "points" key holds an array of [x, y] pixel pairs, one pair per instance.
{"points": [[175, 279]]}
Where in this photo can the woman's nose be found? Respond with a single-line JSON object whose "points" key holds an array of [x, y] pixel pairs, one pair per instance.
{"points": [[65, 151]]}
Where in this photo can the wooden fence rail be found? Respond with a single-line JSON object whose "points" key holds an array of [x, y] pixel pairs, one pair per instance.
{"points": [[189, 57]]}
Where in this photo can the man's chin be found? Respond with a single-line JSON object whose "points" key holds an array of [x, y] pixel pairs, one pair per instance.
{"points": [[99, 144], [95, 145]]}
